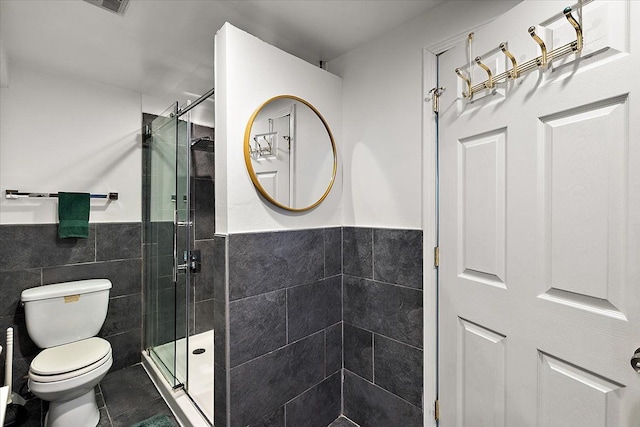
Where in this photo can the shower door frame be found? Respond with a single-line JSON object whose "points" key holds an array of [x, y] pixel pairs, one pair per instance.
{"points": [[181, 243], [183, 263]]}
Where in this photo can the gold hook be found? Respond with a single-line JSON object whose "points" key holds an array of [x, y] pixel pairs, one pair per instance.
{"points": [[468, 93], [543, 59], [577, 45], [514, 71], [489, 83]]}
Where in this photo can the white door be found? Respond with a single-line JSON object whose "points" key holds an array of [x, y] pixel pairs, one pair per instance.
{"points": [[539, 275], [273, 165]]}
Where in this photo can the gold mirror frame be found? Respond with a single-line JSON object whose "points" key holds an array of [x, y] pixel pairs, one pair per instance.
{"points": [[252, 173]]}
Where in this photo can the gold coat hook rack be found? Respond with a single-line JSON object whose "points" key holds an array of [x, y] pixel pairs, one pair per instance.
{"points": [[517, 70]]}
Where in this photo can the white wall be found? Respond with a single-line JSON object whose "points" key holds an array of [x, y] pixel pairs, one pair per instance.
{"points": [[383, 101], [64, 134], [248, 72]]}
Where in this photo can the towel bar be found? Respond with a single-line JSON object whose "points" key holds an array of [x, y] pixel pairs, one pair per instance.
{"points": [[15, 194]]}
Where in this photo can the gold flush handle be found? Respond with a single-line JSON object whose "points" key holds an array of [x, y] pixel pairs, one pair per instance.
{"points": [[71, 298]]}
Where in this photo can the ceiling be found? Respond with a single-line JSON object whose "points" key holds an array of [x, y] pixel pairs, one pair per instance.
{"points": [[164, 48]]}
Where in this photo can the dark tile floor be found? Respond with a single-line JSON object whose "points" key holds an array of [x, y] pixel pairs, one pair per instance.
{"points": [[125, 397]]}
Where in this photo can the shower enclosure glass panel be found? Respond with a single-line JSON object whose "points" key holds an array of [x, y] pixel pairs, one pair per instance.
{"points": [[166, 242], [179, 232]]}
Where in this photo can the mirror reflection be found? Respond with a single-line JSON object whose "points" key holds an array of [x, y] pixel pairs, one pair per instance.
{"points": [[290, 153]]}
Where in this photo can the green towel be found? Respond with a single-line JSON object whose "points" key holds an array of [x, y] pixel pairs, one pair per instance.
{"points": [[157, 421], [73, 215]]}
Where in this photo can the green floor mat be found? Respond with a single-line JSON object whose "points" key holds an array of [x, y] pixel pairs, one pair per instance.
{"points": [[156, 421]]}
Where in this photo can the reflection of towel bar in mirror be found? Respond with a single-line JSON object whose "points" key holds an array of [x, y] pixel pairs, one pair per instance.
{"points": [[15, 194], [517, 70]]}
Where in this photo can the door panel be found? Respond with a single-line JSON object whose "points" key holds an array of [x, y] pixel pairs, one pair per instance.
{"points": [[481, 369], [584, 193], [540, 226], [573, 397], [482, 168]]}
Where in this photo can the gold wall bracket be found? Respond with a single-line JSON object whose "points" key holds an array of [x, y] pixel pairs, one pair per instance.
{"points": [[435, 98], [517, 70]]}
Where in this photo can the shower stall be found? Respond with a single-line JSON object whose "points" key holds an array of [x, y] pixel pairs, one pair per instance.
{"points": [[178, 227]]}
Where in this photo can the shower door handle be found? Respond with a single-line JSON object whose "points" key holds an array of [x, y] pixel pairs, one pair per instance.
{"points": [[194, 261], [175, 246]]}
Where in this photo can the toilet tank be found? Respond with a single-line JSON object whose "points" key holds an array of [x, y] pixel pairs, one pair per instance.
{"points": [[65, 312]]}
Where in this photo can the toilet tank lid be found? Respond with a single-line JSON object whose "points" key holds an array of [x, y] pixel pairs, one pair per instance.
{"points": [[65, 289]]}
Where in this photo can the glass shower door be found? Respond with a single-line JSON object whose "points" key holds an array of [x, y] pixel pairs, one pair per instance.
{"points": [[166, 236], [182, 244]]}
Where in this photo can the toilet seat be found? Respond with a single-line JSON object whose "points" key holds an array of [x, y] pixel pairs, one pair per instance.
{"points": [[70, 360]]}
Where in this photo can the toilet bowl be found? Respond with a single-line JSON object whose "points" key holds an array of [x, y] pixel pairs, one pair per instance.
{"points": [[63, 319]]}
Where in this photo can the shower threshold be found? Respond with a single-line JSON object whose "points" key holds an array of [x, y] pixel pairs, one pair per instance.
{"points": [[194, 408]]}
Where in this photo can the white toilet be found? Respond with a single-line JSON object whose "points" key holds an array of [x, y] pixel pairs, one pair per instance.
{"points": [[63, 319]]}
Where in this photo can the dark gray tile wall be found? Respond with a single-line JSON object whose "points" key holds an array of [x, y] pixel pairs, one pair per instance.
{"points": [[383, 330], [317, 407], [305, 304], [390, 310], [261, 385], [257, 325], [220, 348], [398, 257], [370, 405], [33, 255], [358, 351], [357, 244], [285, 327], [265, 262], [333, 348], [203, 217], [399, 369], [313, 307]]}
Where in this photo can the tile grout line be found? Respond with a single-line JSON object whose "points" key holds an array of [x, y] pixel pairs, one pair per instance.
{"points": [[373, 358]]}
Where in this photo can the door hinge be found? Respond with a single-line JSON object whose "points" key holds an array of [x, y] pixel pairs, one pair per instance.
{"points": [[436, 256], [435, 98], [436, 410]]}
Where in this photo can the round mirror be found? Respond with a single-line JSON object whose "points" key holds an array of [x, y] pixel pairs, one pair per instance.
{"points": [[290, 153]]}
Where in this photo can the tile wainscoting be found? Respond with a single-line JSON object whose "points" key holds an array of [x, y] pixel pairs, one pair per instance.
{"points": [[33, 255], [310, 324], [321, 322]]}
